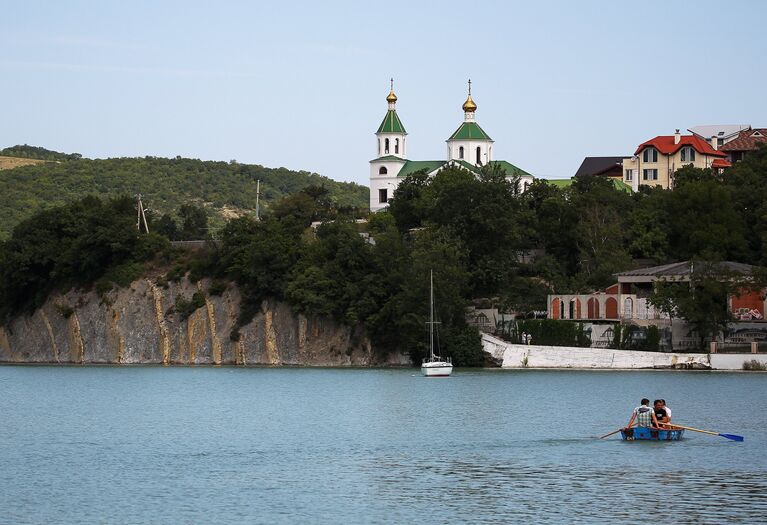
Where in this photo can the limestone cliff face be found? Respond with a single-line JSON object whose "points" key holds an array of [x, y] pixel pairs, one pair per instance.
{"points": [[138, 325]]}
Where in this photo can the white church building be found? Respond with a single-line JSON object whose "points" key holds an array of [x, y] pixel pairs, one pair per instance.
{"points": [[469, 147]]}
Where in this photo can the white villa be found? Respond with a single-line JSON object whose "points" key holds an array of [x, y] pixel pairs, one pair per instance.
{"points": [[468, 147]]}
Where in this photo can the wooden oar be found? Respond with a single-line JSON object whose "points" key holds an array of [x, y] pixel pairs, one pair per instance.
{"points": [[733, 437], [610, 434]]}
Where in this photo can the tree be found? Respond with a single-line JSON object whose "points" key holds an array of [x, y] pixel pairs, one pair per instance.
{"points": [[702, 301], [194, 222]]}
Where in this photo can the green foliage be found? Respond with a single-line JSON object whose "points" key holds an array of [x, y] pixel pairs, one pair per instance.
{"points": [[223, 188], [464, 345], [702, 302], [550, 332], [217, 287], [185, 307], [56, 249], [36, 152]]}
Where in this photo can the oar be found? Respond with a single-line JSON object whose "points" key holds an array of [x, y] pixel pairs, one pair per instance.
{"points": [[733, 437], [610, 434]]}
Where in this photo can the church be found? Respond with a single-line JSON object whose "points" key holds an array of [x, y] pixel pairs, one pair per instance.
{"points": [[469, 147]]}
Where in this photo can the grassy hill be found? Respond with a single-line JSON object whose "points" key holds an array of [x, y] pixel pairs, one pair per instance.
{"points": [[226, 189]]}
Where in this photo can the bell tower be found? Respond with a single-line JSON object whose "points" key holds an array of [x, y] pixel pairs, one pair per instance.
{"points": [[391, 154], [391, 133], [469, 143]]}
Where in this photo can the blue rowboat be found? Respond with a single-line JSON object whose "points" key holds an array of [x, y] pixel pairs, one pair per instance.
{"points": [[651, 434]]}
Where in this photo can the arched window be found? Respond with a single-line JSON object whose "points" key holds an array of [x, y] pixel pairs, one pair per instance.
{"points": [[386, 146], [479, 156], [396, 145], [628, 308], [460, 152], [382, 170]]}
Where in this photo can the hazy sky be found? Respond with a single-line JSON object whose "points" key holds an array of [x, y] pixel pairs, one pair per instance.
{"points": [[303, 84]]}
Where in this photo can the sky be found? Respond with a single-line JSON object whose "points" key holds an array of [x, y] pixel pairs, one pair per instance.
{"points": [[302, 85]]}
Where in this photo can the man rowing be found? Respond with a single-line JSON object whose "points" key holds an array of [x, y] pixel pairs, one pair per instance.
{"points": [[643, 415]]}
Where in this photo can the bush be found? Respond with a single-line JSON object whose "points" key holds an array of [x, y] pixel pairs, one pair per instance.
{"points": [[185, 307], [553, 332], [754, 365], [217, 287], [464, 345]]}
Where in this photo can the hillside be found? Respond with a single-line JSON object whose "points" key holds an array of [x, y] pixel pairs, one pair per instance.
{"points": [[226, 189], [9, 163]]}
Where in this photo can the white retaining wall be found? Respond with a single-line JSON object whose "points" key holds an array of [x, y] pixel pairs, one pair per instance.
{"points": [[538, 356]]}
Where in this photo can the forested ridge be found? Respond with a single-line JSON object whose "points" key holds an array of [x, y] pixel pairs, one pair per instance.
{"points": [[469, 230], [224, 189]]}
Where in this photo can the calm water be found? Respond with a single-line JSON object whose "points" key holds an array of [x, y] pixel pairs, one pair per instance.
{"points": [[226, 445]]}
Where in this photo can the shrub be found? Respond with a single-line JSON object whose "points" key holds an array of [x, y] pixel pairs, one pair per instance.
{"points": [[754, 365], [553, 332], [217, 287], [185, 307]]}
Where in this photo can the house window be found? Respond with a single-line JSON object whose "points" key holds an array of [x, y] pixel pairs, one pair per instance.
{"points": [[386, 146], [650, 155], [382, 170], [628, 308], [382, 197], [650, 174], [629, 174], [396, 145], [719, 142], [688, 154], [460, 152]]}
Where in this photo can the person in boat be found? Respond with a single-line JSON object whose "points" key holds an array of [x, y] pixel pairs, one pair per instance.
{"points": [[661, 416], [643, 415], [667, 409]]}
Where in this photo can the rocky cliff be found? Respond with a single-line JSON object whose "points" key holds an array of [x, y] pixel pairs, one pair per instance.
{"points": [[139, 324]]}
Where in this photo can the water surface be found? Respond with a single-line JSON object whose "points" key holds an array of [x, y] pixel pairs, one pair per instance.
{"points": [[233, 445]]}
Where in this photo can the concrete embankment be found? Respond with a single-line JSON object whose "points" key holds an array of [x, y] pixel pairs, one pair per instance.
{"points": [[538, 356]]}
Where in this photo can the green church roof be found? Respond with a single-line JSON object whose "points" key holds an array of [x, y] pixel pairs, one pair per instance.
{"points": [[391, 123], [510, 168], [469, 131], [412, 166]]}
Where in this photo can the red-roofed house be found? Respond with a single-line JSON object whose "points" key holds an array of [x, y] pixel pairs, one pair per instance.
{"points": [[656, 160], [746, 141]]}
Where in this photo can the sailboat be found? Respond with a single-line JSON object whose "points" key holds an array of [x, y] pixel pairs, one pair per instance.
{"points": [[434, 365]]}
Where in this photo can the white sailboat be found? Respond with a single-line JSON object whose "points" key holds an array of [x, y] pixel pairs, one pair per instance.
{"points": [[434, 365]]}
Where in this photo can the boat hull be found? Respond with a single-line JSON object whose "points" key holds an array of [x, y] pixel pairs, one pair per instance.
{"points": [[436, 369], [651, 434]]}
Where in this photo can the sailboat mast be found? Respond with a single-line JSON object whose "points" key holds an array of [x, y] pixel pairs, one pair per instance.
{"points": [[431, 314]]}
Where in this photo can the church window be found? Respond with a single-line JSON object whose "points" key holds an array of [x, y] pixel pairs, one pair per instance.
{"points": [[386, 146], [396, 146], [479, 155], [382, 170], [382, 196], [460, 152]]}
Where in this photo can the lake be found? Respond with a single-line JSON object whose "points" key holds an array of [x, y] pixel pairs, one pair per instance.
{"points": [[142, 445]]}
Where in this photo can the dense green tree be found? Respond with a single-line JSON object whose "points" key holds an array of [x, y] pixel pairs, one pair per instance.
{"points": [[194, 222]]}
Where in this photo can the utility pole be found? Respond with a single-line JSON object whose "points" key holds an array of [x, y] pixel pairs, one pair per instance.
{"points": [[140, 215], [258, 195]]}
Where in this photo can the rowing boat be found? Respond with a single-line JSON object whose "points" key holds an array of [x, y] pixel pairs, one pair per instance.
{"points": [[651, 434]]}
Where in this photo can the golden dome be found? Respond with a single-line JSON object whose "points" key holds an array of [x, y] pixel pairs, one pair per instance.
{"points": [[469, 106], [392, 97]]}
